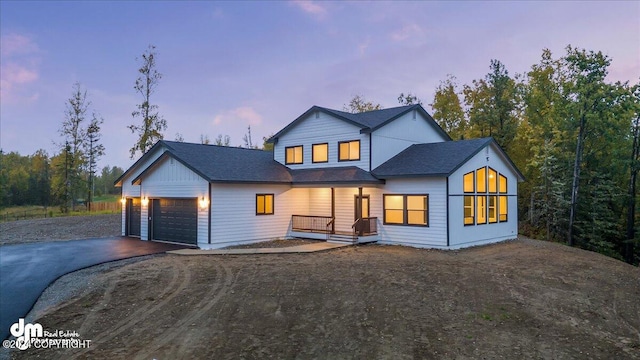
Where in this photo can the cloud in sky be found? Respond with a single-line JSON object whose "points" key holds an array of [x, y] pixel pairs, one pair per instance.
{"points": [[407, 32], [18, 68], [241, 115], [310, 7]]}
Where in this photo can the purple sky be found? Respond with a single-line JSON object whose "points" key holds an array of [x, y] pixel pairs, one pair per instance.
{"points": [[230, 64]]}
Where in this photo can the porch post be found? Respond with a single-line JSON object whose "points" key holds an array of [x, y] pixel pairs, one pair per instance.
{"points": [[359, 212], [333, 210]]}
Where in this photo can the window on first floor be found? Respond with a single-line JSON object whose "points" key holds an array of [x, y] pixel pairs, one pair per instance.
{"points": [[493, 211], [469, 210], [482, 209], [406, 209], [320, 153], [264, 204], [293, 155], [503, 206], [349, 150]]}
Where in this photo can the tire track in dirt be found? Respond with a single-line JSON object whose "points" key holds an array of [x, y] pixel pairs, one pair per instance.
{"points": [[90, 319], [180, 279], [221, 284]]}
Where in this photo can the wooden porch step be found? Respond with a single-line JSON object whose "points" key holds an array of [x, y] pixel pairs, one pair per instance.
{"points": [[344, 237]]}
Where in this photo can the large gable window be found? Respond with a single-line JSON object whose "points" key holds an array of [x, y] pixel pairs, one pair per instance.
{"points": [[293, 155], [264, 204], [320, 153], [406, 210], [349, 150], [480, 206]]}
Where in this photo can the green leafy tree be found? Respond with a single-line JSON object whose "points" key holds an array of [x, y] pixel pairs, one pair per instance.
{"points": [[74, 135], [447, 110], [492, 104], [153, 124], [93, 150]]}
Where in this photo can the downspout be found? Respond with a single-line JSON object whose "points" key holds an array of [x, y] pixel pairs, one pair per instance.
{"points": [[370, 152], [448, 217], [209, 216]]}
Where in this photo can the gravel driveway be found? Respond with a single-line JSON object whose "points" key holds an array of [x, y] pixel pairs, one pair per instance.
{"points": [[59, 229]]}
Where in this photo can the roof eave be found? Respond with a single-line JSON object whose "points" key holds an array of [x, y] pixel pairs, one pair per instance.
{"points": [[159, 143], [165, 155]]}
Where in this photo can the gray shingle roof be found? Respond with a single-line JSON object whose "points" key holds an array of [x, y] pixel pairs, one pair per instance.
{"points": [[367, 121], [348, 174], [371, 119], [229, 164], [238, 165], [435, 159]]}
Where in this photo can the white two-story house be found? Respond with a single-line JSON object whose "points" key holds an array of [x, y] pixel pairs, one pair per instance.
{"points": [[392, 176]]}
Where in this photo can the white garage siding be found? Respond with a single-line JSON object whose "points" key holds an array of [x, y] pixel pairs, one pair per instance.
{"points": [[389, 140], [233, 213], [322, 129], [464, 236], [433, 236], [123, 217], [131, 191], [171, 179]]}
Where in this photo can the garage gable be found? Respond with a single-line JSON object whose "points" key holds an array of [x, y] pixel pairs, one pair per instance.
{"points": [[169, 169]]}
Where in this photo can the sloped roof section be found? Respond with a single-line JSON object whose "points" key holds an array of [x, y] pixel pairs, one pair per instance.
{"points": [[367, 121], [372, 119], [434, 159], [333, 175], [229, 164]]}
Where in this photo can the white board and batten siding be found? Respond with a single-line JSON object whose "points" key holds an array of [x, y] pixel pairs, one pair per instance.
{"points": [[411, 128], [171, 179], [432, 236], [471, 235], [233, 213], [320, 128], [133, 191]]}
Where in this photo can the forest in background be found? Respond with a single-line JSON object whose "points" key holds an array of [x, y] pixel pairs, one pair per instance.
{"points": [[573, 134]]}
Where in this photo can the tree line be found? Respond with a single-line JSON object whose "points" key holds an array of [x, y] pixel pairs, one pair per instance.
{"points": [[574, 135]]}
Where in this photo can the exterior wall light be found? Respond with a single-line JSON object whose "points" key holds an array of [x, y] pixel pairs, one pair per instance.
{"points": [[145, 201], [123, 200], [204, 202]]}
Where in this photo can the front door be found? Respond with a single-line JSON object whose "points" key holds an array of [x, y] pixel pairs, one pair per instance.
{"points": [[362, 225], [365, 207]]}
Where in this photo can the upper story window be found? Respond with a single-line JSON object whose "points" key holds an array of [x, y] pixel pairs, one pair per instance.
{"points": [[320, 153], [349, 150], [293, 155], [469, 180]]}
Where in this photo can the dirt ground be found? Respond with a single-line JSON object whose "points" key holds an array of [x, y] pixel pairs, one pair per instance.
{"points": [[522, 299]]}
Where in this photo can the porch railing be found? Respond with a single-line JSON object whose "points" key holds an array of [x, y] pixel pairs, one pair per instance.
{"points": [[309, 223], [365, 226]]}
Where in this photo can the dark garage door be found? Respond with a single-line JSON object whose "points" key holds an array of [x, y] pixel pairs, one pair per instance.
{"points": [[175, 220], [134, 211]]}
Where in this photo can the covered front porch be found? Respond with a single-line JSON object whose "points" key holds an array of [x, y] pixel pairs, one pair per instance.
{"points": [[339, 214]]}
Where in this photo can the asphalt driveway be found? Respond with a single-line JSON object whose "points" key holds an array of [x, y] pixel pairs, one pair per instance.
{"points": [[26, 270]]}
